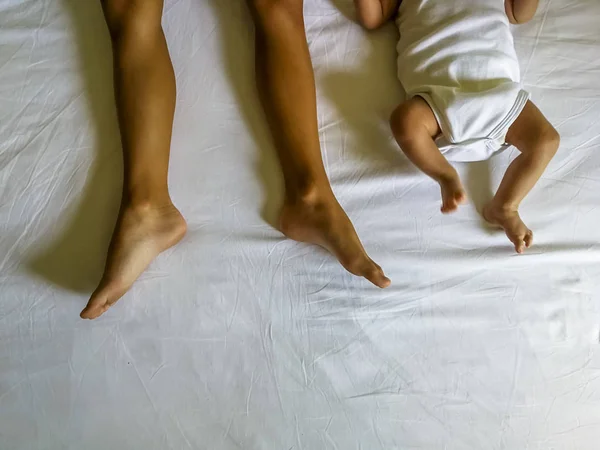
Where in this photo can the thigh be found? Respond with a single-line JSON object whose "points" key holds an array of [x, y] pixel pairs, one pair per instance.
{"points": [[530, 129], [414, 116]]}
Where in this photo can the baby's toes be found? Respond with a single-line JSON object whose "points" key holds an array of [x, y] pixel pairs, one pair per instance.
{"points": [[518, 240], [519, 245], [528, 239], [449, 202], [448, 206]]}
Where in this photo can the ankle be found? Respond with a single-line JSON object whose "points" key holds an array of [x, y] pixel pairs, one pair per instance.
{"points": [[503, 208], [308, 194], [146, 205], [146, 200], [145, 193]]}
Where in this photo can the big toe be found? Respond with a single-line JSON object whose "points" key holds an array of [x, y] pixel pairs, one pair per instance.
{"points": [[523, 242], [101, 300], [375, 275], [519, 243], [379, 279], [94, 309], [528, 238]]}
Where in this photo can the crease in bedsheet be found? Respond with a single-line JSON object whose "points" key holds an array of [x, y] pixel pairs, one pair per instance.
{"points": [[238, 338]]}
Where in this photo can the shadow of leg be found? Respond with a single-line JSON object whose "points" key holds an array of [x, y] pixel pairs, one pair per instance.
{"points": [[75, 261], [237, 40], [366, 97], [479, 187], [479, 183], [346, 7]]}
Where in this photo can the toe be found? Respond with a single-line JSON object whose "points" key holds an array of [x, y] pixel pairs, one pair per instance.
{"points": [[528, 239], [365, 267], [378, 279], [448, 205], [89, 313], [376, 276], [102, 299], [451, 202], [90, 310], [95, 308], [519, 245]]}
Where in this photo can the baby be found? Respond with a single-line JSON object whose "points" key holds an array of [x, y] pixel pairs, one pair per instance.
{"points": [[458, 66]]}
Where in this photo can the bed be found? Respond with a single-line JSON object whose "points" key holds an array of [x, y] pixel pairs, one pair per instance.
{"points": [[240, 339]]}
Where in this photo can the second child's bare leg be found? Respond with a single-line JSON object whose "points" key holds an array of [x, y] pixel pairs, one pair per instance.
{"points": [[414, 126], [538, 142], [145, 93], [286, 87]]}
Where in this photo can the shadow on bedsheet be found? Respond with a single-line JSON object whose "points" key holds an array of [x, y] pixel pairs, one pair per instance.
{"points": [[75, 260], [366, 111], [479, 186], [237, 47], [366, 96]]}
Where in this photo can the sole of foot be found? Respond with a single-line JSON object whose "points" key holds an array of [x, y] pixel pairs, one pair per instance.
{"points": [[325, 223], [453, 194], [510, 221], [140, 235]]}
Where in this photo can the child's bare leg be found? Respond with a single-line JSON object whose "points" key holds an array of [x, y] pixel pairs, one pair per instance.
{"points": [[286, 87], [145, 93], [520, 11], [538, 142], [415, 127]]}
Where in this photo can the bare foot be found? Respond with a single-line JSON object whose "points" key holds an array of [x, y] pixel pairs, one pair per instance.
{"points": [[324, 222], [453, 194], [140, 235], [510, 221]]}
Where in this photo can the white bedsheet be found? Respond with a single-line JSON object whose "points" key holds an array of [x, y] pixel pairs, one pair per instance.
{"points": [[239, 339]]}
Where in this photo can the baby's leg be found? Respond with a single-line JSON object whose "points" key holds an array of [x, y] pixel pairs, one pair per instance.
{"points": [[415, 127], [538, 142]]}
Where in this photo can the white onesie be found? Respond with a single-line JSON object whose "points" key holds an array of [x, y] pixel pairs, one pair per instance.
{"points": [[459, 56]]}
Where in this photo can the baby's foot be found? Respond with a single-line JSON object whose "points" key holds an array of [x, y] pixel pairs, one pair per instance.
{"points": [[453, 194], [510, 221], [140, 235], [324, 222]]}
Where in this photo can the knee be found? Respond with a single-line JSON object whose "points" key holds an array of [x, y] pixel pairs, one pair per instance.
{"points": [[548, 142], [273, 12], [139, 18], [405, 121]]}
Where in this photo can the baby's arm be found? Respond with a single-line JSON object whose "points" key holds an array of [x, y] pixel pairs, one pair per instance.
{"points": [[374, 13], [520, 11]]}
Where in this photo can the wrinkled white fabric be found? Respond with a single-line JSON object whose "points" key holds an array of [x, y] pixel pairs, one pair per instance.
{"points": [[240, 339]]}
